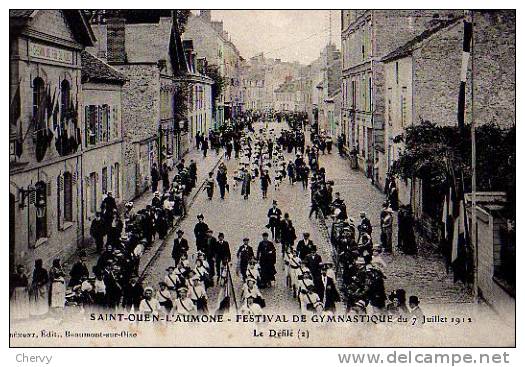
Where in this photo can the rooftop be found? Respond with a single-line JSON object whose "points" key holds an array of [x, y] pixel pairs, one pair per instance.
{"points": [[415, 42], [96, 70]]}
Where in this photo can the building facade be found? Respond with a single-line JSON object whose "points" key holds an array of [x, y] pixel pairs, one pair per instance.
{"points": [[422, 84], [46, 133], [367, 36], [212, 42], [144, 50], [103, 139]]}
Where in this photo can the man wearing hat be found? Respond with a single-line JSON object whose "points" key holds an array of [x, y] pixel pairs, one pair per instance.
{"points": [[327, 290], [386, 228], [415, 310], [200, 231], [339, 203], [180, 246], [313, 261], [172, 281], [79, 270], [97, 231], [222, 253], [133, 293], [274, 219], [266, 254], [304, 246], [244, 255], [365, 226]]}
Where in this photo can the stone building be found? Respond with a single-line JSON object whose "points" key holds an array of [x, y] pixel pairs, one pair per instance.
{"points": [[212, 42], [144, 50], [46, 138], [199, 97], [366, 36], [103, 139], [422, 83], [263, 76], [328, 88]]}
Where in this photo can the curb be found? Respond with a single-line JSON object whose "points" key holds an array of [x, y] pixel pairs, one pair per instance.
{"points": [[156, 251]]}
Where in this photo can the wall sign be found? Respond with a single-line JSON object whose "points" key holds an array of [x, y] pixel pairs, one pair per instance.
{"points": [[50, 53]]}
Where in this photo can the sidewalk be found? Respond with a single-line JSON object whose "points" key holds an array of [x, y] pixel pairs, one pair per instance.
{"points": [[204, 166]]}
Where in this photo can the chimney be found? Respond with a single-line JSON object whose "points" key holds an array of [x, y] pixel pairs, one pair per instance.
{"points": [[116, 40], [206, 15]]}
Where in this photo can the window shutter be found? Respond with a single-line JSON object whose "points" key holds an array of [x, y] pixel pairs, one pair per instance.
{"points": [[32, 197], [48, 188], [60, 188]]}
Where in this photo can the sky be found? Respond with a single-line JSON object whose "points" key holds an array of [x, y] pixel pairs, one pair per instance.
{"points": [[291, 35]]}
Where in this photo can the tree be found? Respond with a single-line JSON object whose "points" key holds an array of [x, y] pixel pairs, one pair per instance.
{"points": [[432, 153]]}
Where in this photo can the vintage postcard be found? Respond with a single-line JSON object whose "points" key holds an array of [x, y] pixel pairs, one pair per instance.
{"points": [[262, 178]]}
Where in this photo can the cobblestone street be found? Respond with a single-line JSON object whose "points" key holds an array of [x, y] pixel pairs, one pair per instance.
{"points": [[423, 274]]}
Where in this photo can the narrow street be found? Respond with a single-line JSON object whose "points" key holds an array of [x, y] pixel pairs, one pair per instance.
{"points": [[423, 274], [238, 218]]}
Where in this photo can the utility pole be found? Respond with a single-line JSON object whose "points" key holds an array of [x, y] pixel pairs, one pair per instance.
{"points": [[474, 161]]}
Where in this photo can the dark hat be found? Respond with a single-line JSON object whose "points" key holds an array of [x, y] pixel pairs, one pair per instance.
{"points": [[200, 215], [180, 231], [221, 234], [82, 253], [306, 234], [245, 239], [326, 266], [414, 300], [274, 202], [265, 234], [170, 268], [163, 284]]}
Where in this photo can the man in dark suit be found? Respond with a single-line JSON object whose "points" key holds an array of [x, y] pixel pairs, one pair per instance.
{"points": [[274, 219], [244, 255], [304, 246], [313, 262], [327, 290], [222, 253], [200, 230], [180, 246], [267, 258]]}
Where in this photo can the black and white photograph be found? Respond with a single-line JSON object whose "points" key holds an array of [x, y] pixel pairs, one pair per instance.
{"points": [[262, 178]]}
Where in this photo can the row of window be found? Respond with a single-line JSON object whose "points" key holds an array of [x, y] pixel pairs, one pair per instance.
{"points": [[357, 47], [64, 203], [101, 124], [110, 181], [362, 88]]}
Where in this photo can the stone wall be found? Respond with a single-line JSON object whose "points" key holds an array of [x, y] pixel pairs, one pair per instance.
{"points": [[488, 239], [494, 57], [140, 120]]}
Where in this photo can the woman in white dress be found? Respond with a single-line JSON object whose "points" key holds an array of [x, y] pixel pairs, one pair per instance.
{"points": [[58, 286], [19, 294]]}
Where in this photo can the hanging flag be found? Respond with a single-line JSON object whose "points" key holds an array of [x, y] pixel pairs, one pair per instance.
{"points": [[444, 216], [467, 41]]}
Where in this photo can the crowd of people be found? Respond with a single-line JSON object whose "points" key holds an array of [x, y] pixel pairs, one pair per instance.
{"points": [[114, 282]]}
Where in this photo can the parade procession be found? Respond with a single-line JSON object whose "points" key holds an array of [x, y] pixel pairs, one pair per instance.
{"points": [[157, 174]]}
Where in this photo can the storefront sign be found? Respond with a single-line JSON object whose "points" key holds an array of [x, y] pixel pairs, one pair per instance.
{"points": [[50, 53]]}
